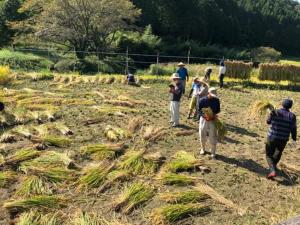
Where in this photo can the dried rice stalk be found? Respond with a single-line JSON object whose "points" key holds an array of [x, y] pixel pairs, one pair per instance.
{"points": [[152, 134], [135, 124], [8, 137], [63, 129], [260, 108]]}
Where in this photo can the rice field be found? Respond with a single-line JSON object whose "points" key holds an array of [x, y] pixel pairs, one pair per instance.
{"points": [[83, 150]]}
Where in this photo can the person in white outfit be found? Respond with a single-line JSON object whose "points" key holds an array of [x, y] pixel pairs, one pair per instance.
{"points": [[208, 108], [176, 91]]}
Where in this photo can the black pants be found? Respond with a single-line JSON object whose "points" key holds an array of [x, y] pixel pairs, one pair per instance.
{"points": [[274, 150], [221, 80]]}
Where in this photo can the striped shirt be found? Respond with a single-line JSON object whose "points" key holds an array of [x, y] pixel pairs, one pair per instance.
{"points": [[283, 124]]}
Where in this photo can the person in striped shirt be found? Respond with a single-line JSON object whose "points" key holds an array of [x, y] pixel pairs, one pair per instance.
{"points": [[282, 124]]}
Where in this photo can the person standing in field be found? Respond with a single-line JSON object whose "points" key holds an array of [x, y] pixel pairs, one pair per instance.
{"points": [[183, 74], [209, 108], [176, 91], [222, 73], [208, 72], [282, 124], [198, 91]]}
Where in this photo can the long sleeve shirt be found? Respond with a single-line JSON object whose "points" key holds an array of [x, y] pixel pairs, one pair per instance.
{"points": [[283, 124], [213, 103]]}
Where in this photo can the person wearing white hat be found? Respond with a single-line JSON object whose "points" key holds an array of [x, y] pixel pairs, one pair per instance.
{"points": [[209, 108], [176, 91], [183, 74]]}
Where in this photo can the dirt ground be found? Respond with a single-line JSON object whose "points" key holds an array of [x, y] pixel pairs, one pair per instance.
{"points": [[238, 173]]}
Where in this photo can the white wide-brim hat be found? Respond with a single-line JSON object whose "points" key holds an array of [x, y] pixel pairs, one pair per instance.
{"points": [[213, 92], [175, 76], [181, 64]]}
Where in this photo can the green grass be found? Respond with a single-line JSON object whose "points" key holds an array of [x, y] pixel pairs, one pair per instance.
{"points": [[183, 161]]}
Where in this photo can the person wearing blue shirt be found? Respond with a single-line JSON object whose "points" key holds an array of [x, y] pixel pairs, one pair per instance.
{"points": [[183, 74]]}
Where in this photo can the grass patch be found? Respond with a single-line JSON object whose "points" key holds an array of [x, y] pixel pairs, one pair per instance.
{"points": [[134, 196], [184, 197], [36, 218], [173, 213]]}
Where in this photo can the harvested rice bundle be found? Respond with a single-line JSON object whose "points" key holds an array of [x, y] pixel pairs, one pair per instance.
{"points": [[94, 176], [119, 103], [134, 196], [185, 197], [152, 134], [184, 161], [115, 134], [103, 151], [260, 108], [113, 177], [219, 198], [50, 114], [109, 80], [55, 141], [20, 156], [46, 202], [221, 129], [136, 163], [21, 115], [6, 178], [87, 219], [36, 115], [177, 179], [173, 213], [49, 159], [33, 185], [42, 130], [63, 129], [23, 131], [36, 218], [8, 137], [57, 78], [3, 121], [77, 102], [135, 124]]}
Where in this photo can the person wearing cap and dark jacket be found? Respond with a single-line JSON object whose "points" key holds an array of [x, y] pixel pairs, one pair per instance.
{"points": [[282, 124], [207, 125]]}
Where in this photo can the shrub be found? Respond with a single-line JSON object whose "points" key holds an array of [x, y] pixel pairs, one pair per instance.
{"points": [[24, 61], [239, 70], [5, 76], [278, 72], [265, 54]]}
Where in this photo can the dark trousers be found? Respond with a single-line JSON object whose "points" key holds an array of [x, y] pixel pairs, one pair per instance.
{"points": [[221, 80], [274, 150]]}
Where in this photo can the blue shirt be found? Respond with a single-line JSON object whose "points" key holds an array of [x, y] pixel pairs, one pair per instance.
{"points": [[213, 103], [283, 124], [183, 73]]}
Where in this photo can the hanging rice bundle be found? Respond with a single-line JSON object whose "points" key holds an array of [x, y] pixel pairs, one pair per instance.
{"points": [[173, 213], [134, 196], [184, 161], [20, 156], [260, 108], [115, 134], [6, 178], [33, 185], [63, 129], [46, 202], [103, 151], [185, 197], [238, 70], [177, 179], [221, 129], [136, 163], [94, 176]]}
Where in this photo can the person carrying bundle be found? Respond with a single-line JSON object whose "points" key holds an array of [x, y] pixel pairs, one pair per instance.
{"points": [[282, 124], [176, 91], [209, 108]]}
